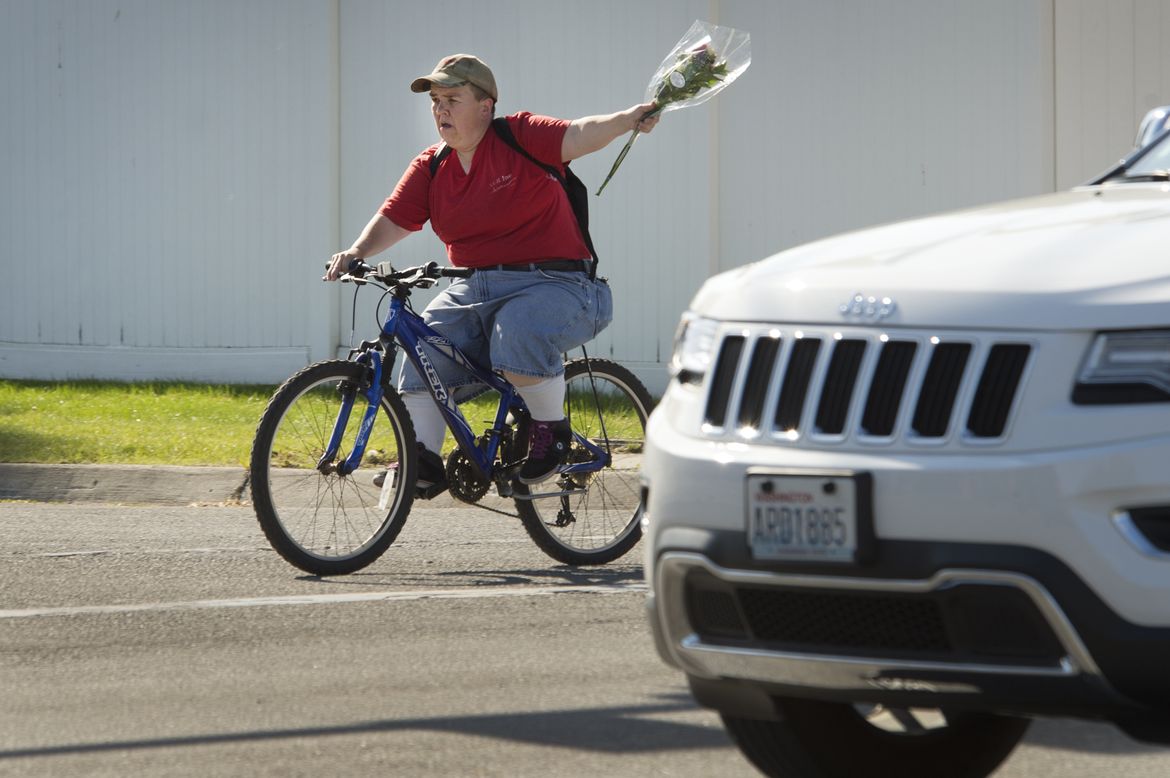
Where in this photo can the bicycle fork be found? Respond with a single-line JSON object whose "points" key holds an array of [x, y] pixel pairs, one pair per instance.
{"points": [[349, 394]]}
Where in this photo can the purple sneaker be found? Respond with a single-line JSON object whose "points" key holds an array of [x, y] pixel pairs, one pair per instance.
{"points": [[548, 447]]}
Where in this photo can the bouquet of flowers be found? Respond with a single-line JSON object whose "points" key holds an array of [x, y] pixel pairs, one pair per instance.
{"points": [[704, 61]]}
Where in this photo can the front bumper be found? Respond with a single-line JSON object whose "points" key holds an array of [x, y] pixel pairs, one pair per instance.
{"points": [[1061, 670], [1085, 662], [1035, 534]]}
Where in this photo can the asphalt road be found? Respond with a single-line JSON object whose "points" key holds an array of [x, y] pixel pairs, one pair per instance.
{"points": [[164, 640]]}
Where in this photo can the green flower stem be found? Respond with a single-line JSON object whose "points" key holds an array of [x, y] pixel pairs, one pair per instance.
{"points": [[696, 70], [626, 149]]}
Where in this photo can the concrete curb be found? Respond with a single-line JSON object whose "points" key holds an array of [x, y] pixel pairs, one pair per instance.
{"points": [[148, 484]]}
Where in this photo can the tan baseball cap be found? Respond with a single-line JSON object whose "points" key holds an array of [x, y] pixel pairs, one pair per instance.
{"points": [[456, 70]]}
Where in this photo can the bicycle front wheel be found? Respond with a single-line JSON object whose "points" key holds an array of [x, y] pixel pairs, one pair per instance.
{"points": [[321, 521], [599, 519]]}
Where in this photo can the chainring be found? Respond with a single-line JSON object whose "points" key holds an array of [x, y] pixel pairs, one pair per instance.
{"points": [[464, 479]]}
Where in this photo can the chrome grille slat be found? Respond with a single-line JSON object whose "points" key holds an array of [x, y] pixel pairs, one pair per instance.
{"points": [[760, 370], [888, 387], [726, 367], [996, 389], [840, 382], [794, 388], [832, 386], [940, 387]]}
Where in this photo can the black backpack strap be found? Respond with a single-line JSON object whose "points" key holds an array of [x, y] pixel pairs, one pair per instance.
{"points": [[575, 190], [504, 130], [438, 157]]}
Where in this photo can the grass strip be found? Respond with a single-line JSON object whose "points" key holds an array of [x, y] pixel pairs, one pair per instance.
{"points": [[103, 422], [98, 422]]}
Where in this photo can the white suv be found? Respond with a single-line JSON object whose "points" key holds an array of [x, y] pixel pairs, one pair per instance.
{"points": [[910, 486]]}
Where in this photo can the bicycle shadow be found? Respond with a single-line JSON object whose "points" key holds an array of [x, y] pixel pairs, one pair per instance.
{"points": [[618, 577]]}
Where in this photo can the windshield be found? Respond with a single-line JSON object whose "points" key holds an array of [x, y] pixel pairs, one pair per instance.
{"points": [[1152, 164]]}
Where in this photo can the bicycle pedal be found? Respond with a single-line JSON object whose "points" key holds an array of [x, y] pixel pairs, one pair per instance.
{"points": [[565, 493], [430, 492]]}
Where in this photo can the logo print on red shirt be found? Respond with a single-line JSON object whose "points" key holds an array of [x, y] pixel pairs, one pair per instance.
{"points": [[503, 182]]}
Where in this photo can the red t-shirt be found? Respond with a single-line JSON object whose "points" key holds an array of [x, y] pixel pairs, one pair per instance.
{"points": [[505, 210]]}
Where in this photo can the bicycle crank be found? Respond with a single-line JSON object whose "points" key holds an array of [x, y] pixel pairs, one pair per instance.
{"points": [[464, 479]]}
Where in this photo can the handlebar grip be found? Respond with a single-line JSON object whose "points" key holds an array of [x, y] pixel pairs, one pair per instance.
{"points": [[355, 264], [359, 267]]}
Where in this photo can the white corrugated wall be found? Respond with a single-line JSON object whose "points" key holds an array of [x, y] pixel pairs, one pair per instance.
{"points": [[862, 113], [165, 165], [175, 173]]}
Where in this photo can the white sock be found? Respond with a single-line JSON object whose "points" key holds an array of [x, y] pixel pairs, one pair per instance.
{"points": [[546, 399], [430, 428]]}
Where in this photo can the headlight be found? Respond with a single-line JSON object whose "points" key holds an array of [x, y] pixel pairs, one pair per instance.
{"points": [[694, 348], [1126, 367]]}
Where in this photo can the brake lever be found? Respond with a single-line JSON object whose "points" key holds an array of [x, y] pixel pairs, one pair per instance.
{"points": [[419, 279], [424, 276], [346, 277]]}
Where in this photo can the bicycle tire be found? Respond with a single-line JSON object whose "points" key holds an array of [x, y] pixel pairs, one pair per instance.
{"points": [[319, 521], [604, 515]]}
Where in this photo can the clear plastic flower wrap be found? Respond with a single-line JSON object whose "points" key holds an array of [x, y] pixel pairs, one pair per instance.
{"points": [[702, 63]]}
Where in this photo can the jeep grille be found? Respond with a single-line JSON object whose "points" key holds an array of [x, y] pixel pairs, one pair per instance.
{"points": [[837, 386]]}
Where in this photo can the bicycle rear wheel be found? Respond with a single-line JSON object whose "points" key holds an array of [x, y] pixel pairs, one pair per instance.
{"points": [[600, 520], [318, 520]]}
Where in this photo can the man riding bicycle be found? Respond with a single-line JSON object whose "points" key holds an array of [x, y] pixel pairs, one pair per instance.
{"points": [[533, 295]]}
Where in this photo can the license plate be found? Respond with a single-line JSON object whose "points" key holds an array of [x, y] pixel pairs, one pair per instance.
{"points": [[810, 517]]}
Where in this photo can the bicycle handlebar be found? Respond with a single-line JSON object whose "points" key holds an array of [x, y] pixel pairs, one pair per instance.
{"points": [[419, 276]]}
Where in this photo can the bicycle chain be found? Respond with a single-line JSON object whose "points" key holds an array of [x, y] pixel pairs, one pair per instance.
{"points": [[467, 485]]}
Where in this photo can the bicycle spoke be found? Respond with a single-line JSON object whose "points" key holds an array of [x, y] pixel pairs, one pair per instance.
{"points": [[320, 520], [608, 407]]}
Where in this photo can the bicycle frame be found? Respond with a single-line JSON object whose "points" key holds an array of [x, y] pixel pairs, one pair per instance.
{"points": [[406, 329]]}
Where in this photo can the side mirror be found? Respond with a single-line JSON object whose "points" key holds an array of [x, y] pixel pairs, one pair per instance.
{"points": [[1154, 124]]}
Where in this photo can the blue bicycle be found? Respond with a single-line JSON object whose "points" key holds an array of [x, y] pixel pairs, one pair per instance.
{"points": [[334, 425]]}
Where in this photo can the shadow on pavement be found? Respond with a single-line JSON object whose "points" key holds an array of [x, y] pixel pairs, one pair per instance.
{"points": [[559, 575], [608, 730], [1088, 737]]}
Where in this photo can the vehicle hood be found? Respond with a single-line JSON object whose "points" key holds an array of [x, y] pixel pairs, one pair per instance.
{"points": [[1091, 258]]}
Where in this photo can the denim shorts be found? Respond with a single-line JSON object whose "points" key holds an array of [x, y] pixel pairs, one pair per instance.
{"points": [[518, 321]]}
